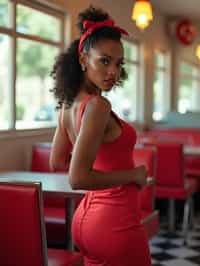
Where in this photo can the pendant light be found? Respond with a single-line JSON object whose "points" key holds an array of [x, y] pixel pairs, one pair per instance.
{"points": [[198, 51], [142, 13]]}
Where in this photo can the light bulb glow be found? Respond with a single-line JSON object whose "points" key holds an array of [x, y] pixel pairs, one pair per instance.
{"points": [[198, 51], [142, 13]]}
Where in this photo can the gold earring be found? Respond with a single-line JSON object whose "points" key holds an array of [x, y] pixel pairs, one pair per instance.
{"points": [[83, 68]]}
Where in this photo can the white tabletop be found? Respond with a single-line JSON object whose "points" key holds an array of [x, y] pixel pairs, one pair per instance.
{"points": [[191, 150], [54, 184]]}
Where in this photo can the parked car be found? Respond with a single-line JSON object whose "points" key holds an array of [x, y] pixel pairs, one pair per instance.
{"points": [[45, 113]]}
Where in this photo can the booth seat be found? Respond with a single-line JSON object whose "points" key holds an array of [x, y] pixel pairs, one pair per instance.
{"points": [[190, 136], [149, 216], [180, 120], [54, 208], [186, 136], [23, 237], [172, 184]]}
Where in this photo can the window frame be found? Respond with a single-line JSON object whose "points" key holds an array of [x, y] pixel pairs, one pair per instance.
{"points": [[138, 65], [189, 77], [12, 33], [165, 70]]}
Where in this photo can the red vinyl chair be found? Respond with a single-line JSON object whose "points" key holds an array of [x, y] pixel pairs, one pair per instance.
{"points": [[40, 157], [150, 216], [54, 208], [171, 182], [22, 231]]}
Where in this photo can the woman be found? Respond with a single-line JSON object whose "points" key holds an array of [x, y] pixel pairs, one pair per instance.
{"points": [[106, 225]]}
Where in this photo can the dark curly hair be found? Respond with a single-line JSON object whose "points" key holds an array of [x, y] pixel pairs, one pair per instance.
{"points": [[67, 73]]}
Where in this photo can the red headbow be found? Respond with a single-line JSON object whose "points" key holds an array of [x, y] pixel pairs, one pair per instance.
{"points": [[91, 26]]}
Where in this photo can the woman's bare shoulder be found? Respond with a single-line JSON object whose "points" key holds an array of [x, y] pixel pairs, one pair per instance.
{"points": [[99, 103]]}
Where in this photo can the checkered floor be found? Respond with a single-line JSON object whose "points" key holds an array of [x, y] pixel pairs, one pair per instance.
{"points": [[168, 249]]}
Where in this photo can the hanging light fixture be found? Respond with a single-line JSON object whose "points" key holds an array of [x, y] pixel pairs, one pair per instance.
{"points": [[142, 13], [198, 51]]}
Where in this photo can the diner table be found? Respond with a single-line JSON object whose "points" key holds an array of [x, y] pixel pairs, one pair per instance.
{"points": [[53, 185]]}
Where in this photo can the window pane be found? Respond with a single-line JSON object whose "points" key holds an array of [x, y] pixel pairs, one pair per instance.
{"points": [[34, 103], [130, 51], [5, 8], [31, 21], [160, 60], [186, 69], [123, 98], [189, 95], [5, 71], [159, 96]]}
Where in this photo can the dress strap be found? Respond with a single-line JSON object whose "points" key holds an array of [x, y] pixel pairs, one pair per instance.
{"points": [[82, 108]]}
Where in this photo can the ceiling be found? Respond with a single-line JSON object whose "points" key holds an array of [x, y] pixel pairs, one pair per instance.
{"points": [[179, 8]]}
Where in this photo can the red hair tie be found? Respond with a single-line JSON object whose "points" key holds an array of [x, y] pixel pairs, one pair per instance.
{"points": [[91, 26]]}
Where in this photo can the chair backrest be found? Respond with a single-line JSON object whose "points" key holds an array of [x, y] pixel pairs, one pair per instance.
{"points": [[22, 233], [40, 163], [146, 157], [40, 158], [169, 164]]}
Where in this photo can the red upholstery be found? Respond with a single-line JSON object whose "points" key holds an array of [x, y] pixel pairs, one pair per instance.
{"points": [[54, 208], [40, 158], [22, 229], [40, 163], [189, 136], [19, 226], [146, 157], [150, 217], [151, 222], [169, 165], [193, 133], [170, 181]]}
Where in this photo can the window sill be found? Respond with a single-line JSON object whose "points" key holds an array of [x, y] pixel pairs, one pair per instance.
{"points": [[13, 134]]}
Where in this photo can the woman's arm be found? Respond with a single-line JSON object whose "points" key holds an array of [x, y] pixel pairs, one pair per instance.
{"points": [[61, 150], [94, 122]]}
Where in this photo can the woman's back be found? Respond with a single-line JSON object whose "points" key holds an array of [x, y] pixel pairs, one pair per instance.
{"points": [[70, 119]]}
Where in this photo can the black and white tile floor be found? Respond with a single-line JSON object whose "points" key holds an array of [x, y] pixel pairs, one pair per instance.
{"points": [[168, 249]]}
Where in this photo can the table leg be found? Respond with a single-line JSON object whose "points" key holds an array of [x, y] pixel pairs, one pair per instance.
{"points": [[171, 215]]}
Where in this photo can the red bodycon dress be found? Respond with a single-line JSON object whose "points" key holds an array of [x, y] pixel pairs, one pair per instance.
{"points": [[106, 225]]}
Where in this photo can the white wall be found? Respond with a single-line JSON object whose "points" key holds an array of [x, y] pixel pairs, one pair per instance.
{"points": [[15, 148]]}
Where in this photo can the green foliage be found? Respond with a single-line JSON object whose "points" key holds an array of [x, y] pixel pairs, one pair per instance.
{"points": [[34, 22], [3, 12], [33, 58], [20, 111]]}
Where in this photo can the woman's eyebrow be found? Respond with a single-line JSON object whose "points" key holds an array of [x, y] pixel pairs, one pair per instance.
{"points": [[110, 57]]}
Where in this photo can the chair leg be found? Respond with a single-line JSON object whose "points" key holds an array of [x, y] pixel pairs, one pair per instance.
{"points": [[186, 214], [171, 215], [191, 225]]}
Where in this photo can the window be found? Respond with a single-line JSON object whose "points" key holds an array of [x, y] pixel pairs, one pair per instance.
{"points": [[161, 91], [124, 99], [5, 76], [29, 42], [189, 88]]}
